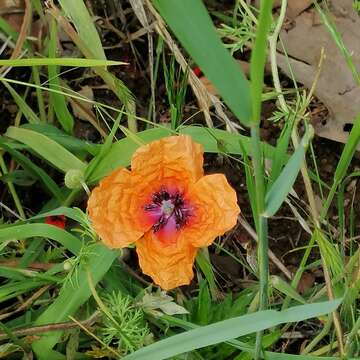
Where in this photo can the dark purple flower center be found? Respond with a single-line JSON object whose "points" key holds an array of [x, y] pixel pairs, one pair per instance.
{"points": [[168, 209]]}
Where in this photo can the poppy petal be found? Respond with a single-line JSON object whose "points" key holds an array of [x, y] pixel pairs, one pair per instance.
{"points": [[168, 264], [57, 220], [215, 210], [114, 209], [175, 157]]}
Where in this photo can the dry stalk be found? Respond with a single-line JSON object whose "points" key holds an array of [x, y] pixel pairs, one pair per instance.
{"points": [[304, 171], [25, 26], [53, 327], [205, 99]]}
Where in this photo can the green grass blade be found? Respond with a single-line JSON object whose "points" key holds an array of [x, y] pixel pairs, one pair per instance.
{"points": [[35, 170], [47, 148], [197, 34], [71, 213], [229, 329], [258, 59], [58, 101], [69, 142], [78, 13], [13, 289], [105, 147], [281, 285], [74, 62], [283, 184], [8, 29], [280, 156], [330, 254], [23, 106], [204, 263], [330, 25], [268, 355], [344, 162], [348, 152], [25, 231]]}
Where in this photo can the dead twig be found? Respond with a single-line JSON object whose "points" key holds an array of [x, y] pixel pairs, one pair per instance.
{"points": [[272, 256], [23, 33], [53, 327]]}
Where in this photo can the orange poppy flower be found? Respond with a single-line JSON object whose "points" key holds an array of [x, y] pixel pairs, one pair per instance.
{"points": [[166, 206]]}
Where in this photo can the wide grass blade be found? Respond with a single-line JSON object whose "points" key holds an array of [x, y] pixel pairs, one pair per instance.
{"points": [[247, 348], [46, 148], [25, 231], [78, 13], [197, 34], [229, 329], [71, 143], [34, 170]]}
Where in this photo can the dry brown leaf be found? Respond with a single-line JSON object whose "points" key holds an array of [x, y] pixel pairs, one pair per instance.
{"points": [[245, 67], [296, 7], [13, 12], [82, 109], [336, 87], [306, 282]]}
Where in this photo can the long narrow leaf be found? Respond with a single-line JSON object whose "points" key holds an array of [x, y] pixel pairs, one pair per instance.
{"points": [[60, 62], [71, 143], [258, 59], [46, 148], [58, 101], [29, 114], [283, 184], [35, 170], [25, 231], [78, 13], [229, 329]]}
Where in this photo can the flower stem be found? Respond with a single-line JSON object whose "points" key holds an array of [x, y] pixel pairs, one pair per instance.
{"points": [[257, 66]]}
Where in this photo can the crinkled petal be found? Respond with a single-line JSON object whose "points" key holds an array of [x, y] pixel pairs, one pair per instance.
{"points": [[115, 209], [215, 210], [176, 157], [169, 264]]}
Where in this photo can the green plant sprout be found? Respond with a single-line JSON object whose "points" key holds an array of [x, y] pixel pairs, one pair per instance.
{"points": [[126, 328]]}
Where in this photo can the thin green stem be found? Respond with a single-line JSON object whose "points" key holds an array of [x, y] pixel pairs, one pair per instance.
{"points": [[324, 332], [12, 189], [349, 341], [71, 197], [39, 94], [261, 226], [258, 59], [273, 39]]}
